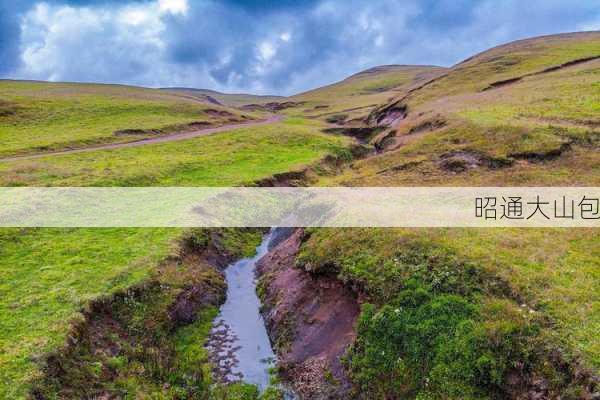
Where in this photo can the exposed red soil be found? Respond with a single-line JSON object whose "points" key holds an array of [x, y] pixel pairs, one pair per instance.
{"points": [[464, 160], [310, 320], [162, 139], [502, 83], [393, 116]]}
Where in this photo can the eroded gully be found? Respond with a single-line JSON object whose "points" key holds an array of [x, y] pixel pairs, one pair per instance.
{"points": [[239, 345]]}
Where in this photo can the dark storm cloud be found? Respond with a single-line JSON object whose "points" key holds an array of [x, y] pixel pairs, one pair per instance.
{"points": [[262, 46], [233, 42], [332, 39]]}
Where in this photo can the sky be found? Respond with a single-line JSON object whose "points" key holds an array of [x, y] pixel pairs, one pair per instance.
{"points": [[264, 47]]}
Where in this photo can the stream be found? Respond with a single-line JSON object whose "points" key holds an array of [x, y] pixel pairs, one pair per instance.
{"points": [[239, 346]]}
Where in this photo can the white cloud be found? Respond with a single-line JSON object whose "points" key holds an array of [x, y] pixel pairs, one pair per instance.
{"points": [[267, 51], [591, 25], [91, 43], [136, 16], [174, 6]]}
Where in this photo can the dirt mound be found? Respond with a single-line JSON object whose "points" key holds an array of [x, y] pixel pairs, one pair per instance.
{"points": [[385, 141], [8, 108], [218, 113], [285, 179], [389, 115], [541, 156], [310, 320], [199, 124], [137, 132], [337, 119], [362, 134], [392, 115], [464, 160], [192, 126]]}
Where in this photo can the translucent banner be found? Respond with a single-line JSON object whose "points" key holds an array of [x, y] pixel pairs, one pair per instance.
{"points": [[301, 207]]}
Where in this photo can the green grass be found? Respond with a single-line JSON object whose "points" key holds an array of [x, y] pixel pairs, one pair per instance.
{"points": [[571, 97], [36, 117], [554, 272], [537, 115], [545, 275], [358, 94], [47, 275], [511, 61], [557, 269], [231, 158]]}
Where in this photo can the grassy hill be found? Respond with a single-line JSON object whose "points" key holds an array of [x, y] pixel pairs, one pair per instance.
{"points": [[523, 114], [478, 314], [228, 99], [358, 94], [36, 116], [348, 99], [237, 157], [464, 128], [48, 276]]}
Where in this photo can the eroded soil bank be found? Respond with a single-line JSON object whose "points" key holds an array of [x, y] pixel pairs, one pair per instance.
{"points": [[311, 321], [147, 341]]}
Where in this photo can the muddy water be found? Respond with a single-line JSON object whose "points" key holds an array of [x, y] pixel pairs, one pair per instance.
{"points": [[239, 345]]}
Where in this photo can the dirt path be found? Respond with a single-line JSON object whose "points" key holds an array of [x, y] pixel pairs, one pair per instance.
{"points": [[162, 139]]}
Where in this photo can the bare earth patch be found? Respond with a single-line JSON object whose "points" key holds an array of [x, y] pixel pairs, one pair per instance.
{"points": [[311, 321]]}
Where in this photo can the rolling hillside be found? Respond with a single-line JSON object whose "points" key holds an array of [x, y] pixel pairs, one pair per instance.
{"points": [[38, 117], [358, 94], [50, 276], [432, 313], [228, 99], [524, 114], [541, 127]]}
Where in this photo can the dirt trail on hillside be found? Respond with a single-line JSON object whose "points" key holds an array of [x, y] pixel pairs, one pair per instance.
{"points": [[143, 142]]}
